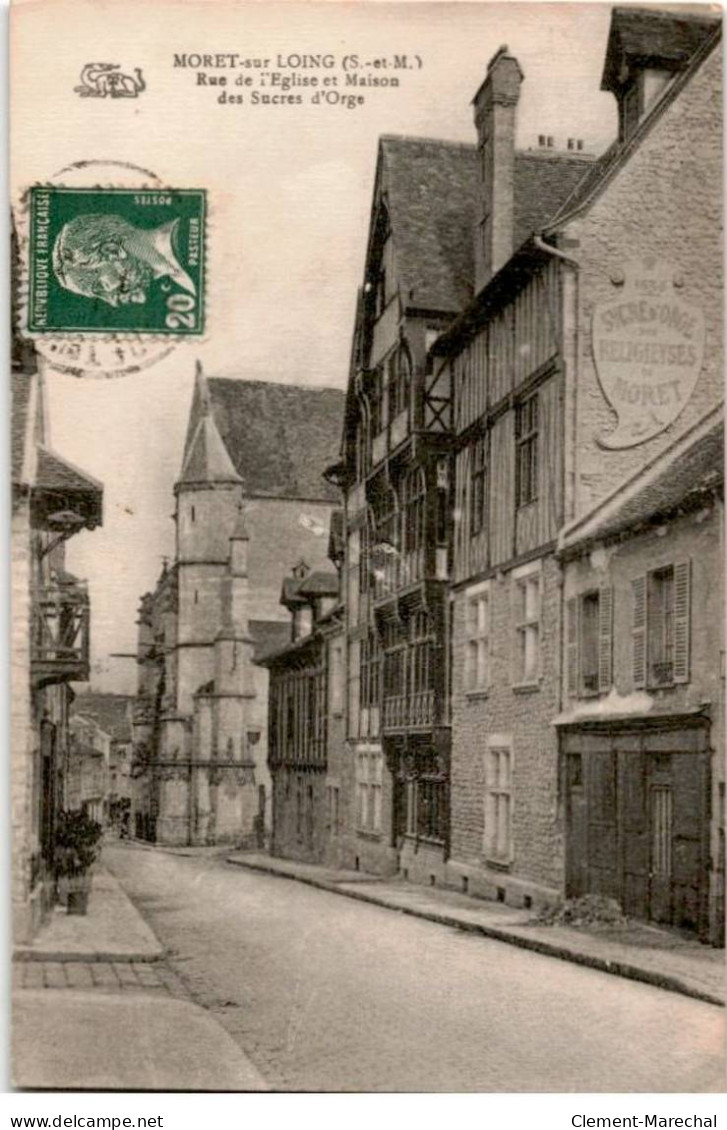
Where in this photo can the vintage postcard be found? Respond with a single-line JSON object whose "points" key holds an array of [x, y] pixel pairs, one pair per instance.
{"points": [[367, 548]]}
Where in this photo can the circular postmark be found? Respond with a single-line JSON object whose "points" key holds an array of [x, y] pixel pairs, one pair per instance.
{"points": [[112, 268]]}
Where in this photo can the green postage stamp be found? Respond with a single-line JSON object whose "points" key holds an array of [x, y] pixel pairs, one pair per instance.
{"points": [[116, 260]]}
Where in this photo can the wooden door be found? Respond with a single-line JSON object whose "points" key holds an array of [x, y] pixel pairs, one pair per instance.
{"points": [[601, 794], [576, 865], [661, 825], [634, 828], [690, 783]]}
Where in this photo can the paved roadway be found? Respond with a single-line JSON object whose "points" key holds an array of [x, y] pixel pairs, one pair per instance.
{"points": [[324, 993]]}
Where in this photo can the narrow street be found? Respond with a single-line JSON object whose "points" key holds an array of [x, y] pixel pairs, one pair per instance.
{"points": [[324, 993]]}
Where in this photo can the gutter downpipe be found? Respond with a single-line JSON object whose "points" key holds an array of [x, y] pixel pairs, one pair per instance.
{"points": [[569, 468]]}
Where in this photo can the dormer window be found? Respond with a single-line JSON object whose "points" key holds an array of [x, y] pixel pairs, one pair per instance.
{"points": [[646, 50]]}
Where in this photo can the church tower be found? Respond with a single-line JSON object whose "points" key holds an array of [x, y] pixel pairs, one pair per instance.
{"points": [[208, 494]]}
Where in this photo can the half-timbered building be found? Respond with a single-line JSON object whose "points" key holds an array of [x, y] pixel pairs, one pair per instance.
{"points": [[396, 474]]}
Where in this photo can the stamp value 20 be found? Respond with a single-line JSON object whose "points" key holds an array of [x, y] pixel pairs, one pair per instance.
{"points": [[116, 260]]}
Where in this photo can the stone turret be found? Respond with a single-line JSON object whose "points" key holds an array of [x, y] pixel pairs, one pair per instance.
{"points": [[209, 493]]}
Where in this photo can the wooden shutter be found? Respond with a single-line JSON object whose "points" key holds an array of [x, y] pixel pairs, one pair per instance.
{"points": [[639, 632], [682, 610], [605, 631], [572, 646]]}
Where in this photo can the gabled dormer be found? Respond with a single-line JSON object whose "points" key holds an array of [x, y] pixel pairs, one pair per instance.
{"points": [[309, 595], [646, 49]]}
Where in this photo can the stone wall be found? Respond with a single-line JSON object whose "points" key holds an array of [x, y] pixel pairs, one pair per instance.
{"points": [[666, 201]]}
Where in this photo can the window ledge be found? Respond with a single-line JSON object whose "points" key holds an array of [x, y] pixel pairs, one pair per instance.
{"points": [[413, 838], [526, 688], [498, 864], [367, 834], [475, 695]]}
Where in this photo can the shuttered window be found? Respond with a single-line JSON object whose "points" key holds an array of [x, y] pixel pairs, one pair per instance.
{"points": [[605, 639], [638, 632], [661, 626], [682, 615], [589, 664]]}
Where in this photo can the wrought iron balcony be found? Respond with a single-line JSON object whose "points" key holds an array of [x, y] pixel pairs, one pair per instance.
{"points": [[61, 615]]}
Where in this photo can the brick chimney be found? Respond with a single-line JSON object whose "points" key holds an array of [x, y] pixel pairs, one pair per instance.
{"points": [[495, 116]]}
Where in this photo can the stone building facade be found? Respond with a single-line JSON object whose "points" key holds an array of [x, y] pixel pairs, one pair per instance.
{"points": [[108, 720], [581, 360], [642, 729], [250, 495], [305, 718]]}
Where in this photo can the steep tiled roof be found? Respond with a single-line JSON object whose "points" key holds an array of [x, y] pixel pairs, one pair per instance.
{"points": [[543, 180], [648, 37], [21, 388], [430, 194], [319, 583], [299, 590], [57, 474], [269, 636], [280, 438], [110, 711], [431, 190], [692, 466], [207, 460]]}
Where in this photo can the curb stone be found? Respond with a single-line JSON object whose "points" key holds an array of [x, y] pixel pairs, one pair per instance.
{"points": [[496, 933]]}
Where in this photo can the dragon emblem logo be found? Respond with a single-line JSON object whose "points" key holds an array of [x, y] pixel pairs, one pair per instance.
{"points": [[107, 80]]}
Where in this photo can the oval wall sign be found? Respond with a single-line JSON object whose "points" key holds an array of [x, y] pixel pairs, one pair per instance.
{"points": [[648, 347]]}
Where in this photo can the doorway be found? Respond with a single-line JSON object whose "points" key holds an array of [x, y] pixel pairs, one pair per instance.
{"points": [[637, 821]]}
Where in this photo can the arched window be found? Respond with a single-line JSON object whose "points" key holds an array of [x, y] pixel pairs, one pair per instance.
{"points": [[363, 443], [386, 549], [415, 498], [399, 381]]}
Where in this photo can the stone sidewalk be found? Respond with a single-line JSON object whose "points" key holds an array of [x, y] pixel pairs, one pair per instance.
{"points": [[639, 951], [112, 930], [96, 1006], [82, 1041]]}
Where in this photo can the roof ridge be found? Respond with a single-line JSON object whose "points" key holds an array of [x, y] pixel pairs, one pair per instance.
{"points": [[558, 154], [672, 12], [277, 384], [415, 138]]}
